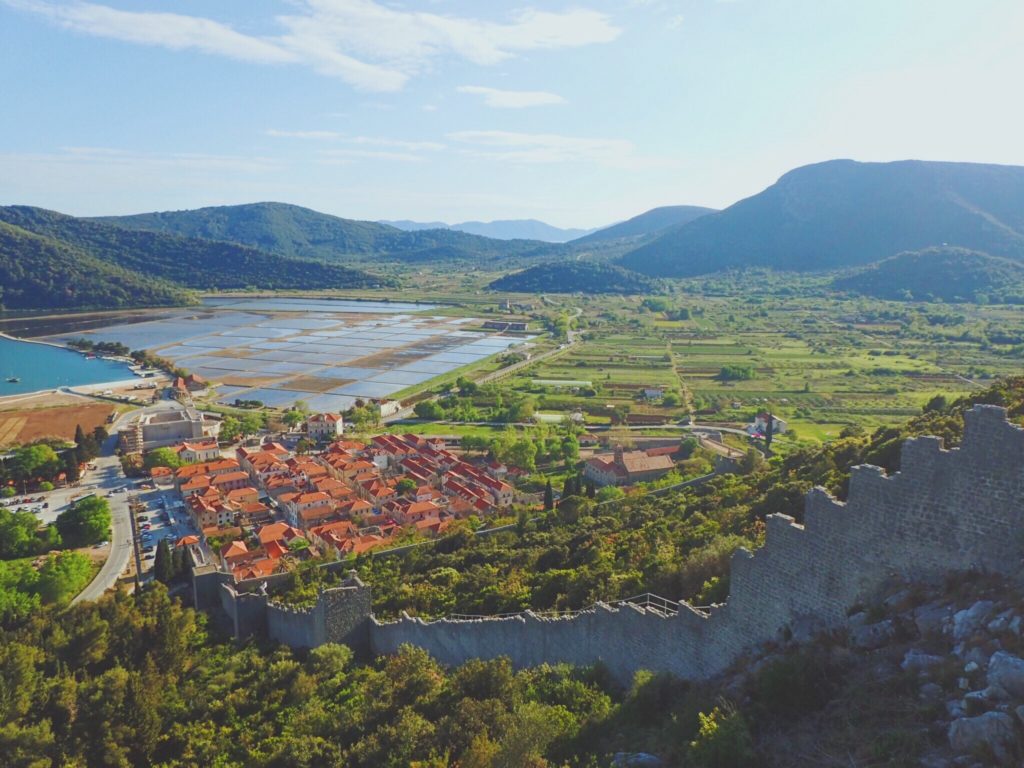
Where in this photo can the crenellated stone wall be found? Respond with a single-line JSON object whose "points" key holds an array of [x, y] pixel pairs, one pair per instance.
{"points": [[945, 511]]}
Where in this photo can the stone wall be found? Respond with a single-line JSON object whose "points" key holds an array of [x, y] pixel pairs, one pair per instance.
{"points": [[945, 511]]}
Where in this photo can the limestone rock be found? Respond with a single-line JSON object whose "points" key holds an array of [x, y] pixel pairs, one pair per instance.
{"points": [[1007, 671], [918, 661], [872, 636], [970, 620], [992, 730], [930, 618], [636, 760]]}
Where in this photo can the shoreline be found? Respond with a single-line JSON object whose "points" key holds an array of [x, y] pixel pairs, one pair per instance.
{"points": [[37, 341], [78, 390]]}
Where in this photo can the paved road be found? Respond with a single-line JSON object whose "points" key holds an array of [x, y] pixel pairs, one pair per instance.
{"points": [[105, 479]]}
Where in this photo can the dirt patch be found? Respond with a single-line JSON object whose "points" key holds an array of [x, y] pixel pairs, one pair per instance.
{"points": [[26, 425], [313, 384], [248, 381]]}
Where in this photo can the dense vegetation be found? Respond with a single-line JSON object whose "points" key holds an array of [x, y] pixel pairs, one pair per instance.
{"points": [[939, 274], [292, 231], [126, 682], [574, 277], [38, 271], [677, 545], [842, 213], [25, 588], [139, 258]]}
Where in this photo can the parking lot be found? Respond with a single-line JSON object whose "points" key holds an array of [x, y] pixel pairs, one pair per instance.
{"points": [[152, 524]]}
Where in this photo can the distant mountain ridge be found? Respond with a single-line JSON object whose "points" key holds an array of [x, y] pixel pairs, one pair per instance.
{"points": [[76, 256], [843, 213], [506, 229], [648, 223], [296, 232]]}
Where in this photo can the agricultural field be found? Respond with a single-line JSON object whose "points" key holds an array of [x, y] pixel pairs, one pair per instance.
{"points": [[21, 424], [822, 363]]}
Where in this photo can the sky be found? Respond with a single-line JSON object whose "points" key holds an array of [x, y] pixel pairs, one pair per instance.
{"points": [[578, 113]]}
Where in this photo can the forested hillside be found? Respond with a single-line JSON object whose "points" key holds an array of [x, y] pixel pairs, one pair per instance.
{"points": [[293, 231], [843, 213], [37, 271], [190, 262], [939, 274], [574, 277]]}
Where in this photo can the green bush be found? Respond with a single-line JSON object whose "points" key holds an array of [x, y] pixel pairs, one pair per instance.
{"points": [[723, 740]]}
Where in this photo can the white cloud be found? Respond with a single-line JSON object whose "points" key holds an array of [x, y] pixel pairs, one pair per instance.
{"points": [[375, 141], [348, 155], [166, 30], [499, 99], [547, 148], [368, 45]]}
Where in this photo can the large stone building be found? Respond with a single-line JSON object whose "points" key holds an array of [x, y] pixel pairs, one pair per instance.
{"points": [[156, 430], [627, 467]]}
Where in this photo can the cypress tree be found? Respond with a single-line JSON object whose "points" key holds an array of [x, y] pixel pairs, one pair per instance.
{"points": [[163, 567], [591, 489], [549, 497]]}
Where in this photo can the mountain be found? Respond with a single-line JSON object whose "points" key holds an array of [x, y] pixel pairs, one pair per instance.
{"points": [[189, 262], [574, 277], [843, 213], [510, 229], [947, 274], [296, 232], [414, 226], [649, 223], [39, 272]]}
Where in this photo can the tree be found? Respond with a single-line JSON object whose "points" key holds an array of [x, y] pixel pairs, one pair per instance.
{"points": [[570, 449], [86, 523], [293, 418], [769, 433], [523, 454], [35, 461], [162, 457], [71, 465], [163, 566], [591, 489], [937, 403], [230, 429], [670, 400], [610, 493], [429, 409], [549, 497], [303, 446], [751, 461], [405, 485]]}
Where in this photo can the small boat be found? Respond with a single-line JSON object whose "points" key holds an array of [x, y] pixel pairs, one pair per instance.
{"points": [[13, 380]]}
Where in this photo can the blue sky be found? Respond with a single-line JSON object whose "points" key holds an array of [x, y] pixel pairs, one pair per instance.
{"points": [[578, 113]]}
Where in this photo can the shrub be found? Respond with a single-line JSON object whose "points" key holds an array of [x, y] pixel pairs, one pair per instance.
{"points": [[723, 740]]}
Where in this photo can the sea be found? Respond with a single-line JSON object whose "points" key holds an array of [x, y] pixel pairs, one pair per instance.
{"points": [[41, 366]]}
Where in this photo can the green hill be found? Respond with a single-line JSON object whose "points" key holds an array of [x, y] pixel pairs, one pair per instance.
{"points": [[38, 272], [949, 274], [187, 261], [574, 277], [652, 222], [843, 213], [296, 232]]}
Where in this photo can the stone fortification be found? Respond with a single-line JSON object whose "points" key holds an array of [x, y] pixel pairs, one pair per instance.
{"points": [[945, 511]]}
